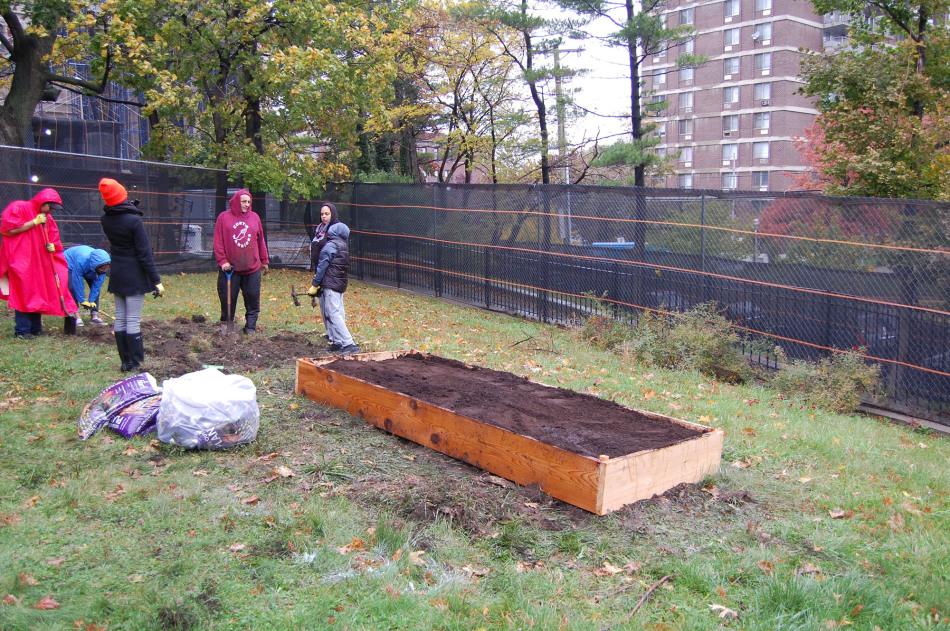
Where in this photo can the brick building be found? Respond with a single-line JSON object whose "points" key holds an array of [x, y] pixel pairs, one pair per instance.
{"points": [[732, 122]]}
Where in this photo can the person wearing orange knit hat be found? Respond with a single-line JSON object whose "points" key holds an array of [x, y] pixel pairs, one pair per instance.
{"points": [[133, 269]]}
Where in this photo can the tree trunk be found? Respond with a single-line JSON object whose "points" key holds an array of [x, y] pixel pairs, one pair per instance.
{"points": [[26, 89]]}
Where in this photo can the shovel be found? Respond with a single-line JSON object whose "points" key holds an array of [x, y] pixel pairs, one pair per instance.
{"points": [[229, 329], [69, 321]]}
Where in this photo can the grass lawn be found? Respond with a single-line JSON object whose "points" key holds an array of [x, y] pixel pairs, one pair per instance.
{"points": [[815, 521]]}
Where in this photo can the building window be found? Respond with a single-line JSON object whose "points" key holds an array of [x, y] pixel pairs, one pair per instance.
{"points": [[686, 102], [730, 181], [657, 104], [762, 92], [685, 126], [762, 33], [760, 121], [686, 76], [686, 155], [661, 130], [760, 179], [730, 153], [659, 78], [760, 151], [689, 46], [686, 16], [730, 38], [730, 124], [730, 95], [730, 67], [761, 6], [763, 63], [731, 9], [684, 180], [660, 151]]}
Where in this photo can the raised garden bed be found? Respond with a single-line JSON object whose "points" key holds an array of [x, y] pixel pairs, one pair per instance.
{"points": [[586, 451]]}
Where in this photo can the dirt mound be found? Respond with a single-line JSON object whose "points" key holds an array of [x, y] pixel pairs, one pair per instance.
{"points": [[174, 347]]}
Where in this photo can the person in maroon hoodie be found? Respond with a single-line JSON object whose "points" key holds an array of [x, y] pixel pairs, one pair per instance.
{"points": [[241, 254]]}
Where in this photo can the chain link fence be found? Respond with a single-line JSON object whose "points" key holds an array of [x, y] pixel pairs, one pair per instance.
{"points": [[809, 273]]}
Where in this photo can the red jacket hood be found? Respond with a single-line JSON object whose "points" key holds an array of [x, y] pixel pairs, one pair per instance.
{"points": [[46, 196], [234, 205]]}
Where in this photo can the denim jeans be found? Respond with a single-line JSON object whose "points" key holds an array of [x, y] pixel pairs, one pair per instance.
{"points": [[27, 323]]}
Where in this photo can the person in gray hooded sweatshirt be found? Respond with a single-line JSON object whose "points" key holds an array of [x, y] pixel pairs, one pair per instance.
{"points": [[329, 284]]}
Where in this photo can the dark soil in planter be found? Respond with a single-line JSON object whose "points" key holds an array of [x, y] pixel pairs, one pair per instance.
{"points": [[563, 418]]}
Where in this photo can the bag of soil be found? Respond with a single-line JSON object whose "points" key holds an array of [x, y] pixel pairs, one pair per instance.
{"points": [[137, 419], [114, 400], [208, 410]]}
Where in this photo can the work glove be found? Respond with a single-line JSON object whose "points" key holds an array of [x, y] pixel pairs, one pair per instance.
{"points": [[39, 219], [314, 291], [159, 290], [50, 247], [88, 305]]}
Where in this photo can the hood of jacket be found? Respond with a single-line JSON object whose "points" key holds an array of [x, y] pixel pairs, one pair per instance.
{"points": [[124, 207], [339, 230], [46, 196], [234, 204], [99, 257]]}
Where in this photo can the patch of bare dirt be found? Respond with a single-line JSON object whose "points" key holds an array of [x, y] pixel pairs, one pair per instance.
{"points": [[175, 347]]}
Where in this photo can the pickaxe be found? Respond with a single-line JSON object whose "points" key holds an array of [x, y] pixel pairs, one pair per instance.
{"points": [[296, 298]]}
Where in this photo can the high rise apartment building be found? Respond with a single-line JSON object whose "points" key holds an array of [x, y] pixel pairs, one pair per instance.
{"points": [[732, 122]]}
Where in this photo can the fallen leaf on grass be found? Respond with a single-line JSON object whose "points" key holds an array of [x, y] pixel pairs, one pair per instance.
{"points": [[32, 502], [130, 451], [415, 557], [199, 473], [475, 571], [55, 562], [355, 544], [497, 481], [396, 555], [804, 480], [46, 602], [135, 578], [284, 471], [26, 579], [607, 569], [237, 547], [808, 568], [116, 493], [10, 599], [267, 457], [9, 520], [532, 504], [766, 566], [839, 513], [250, 501], [724, 612], [748, 431], [896, 522]]}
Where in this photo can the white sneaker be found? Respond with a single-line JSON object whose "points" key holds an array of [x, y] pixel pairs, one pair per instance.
{"points": [[97, 320], [79, 321]]}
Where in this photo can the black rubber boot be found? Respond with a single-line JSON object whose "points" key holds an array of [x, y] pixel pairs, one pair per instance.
{"points": [[136, 350], [121, 343]]}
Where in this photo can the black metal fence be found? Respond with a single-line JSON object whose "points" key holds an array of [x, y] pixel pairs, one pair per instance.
{"points": [[809, 273]]}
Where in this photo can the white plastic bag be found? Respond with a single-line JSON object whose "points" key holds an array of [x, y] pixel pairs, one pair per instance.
{"points": [[208, 410]]}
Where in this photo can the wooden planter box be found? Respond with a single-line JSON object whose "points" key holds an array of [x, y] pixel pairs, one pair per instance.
{"points": [[599, 485]]}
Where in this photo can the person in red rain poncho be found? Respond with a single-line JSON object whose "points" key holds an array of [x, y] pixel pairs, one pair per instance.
{"points": [[241, 252], [31, 260]]}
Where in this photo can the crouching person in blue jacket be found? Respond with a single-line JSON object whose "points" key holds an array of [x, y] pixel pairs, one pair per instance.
{"points": [[329, 283], [87, 266]]}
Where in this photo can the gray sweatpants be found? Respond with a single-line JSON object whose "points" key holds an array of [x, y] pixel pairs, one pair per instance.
{"points": [[331, 304], [128, 313]]}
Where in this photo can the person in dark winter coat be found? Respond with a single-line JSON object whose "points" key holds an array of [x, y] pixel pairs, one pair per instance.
{"points": [[329, 283], [240, 249], [133, 270], [87, 266], [328, 217]]}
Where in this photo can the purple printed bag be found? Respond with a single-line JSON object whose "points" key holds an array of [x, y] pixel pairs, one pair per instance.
{"points": [[113, 400]]}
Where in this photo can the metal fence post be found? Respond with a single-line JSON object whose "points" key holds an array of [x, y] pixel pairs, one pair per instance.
{"points": [[702, 244], [438, 195], [544, 258], [355, 208]]}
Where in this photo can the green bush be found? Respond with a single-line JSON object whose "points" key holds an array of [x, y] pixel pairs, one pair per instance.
{"points": [[835, 383], [700, 339], [604, 332]]}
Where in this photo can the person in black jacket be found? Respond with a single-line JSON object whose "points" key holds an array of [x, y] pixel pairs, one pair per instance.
{"points": [[133, 270], [329, 283]]}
